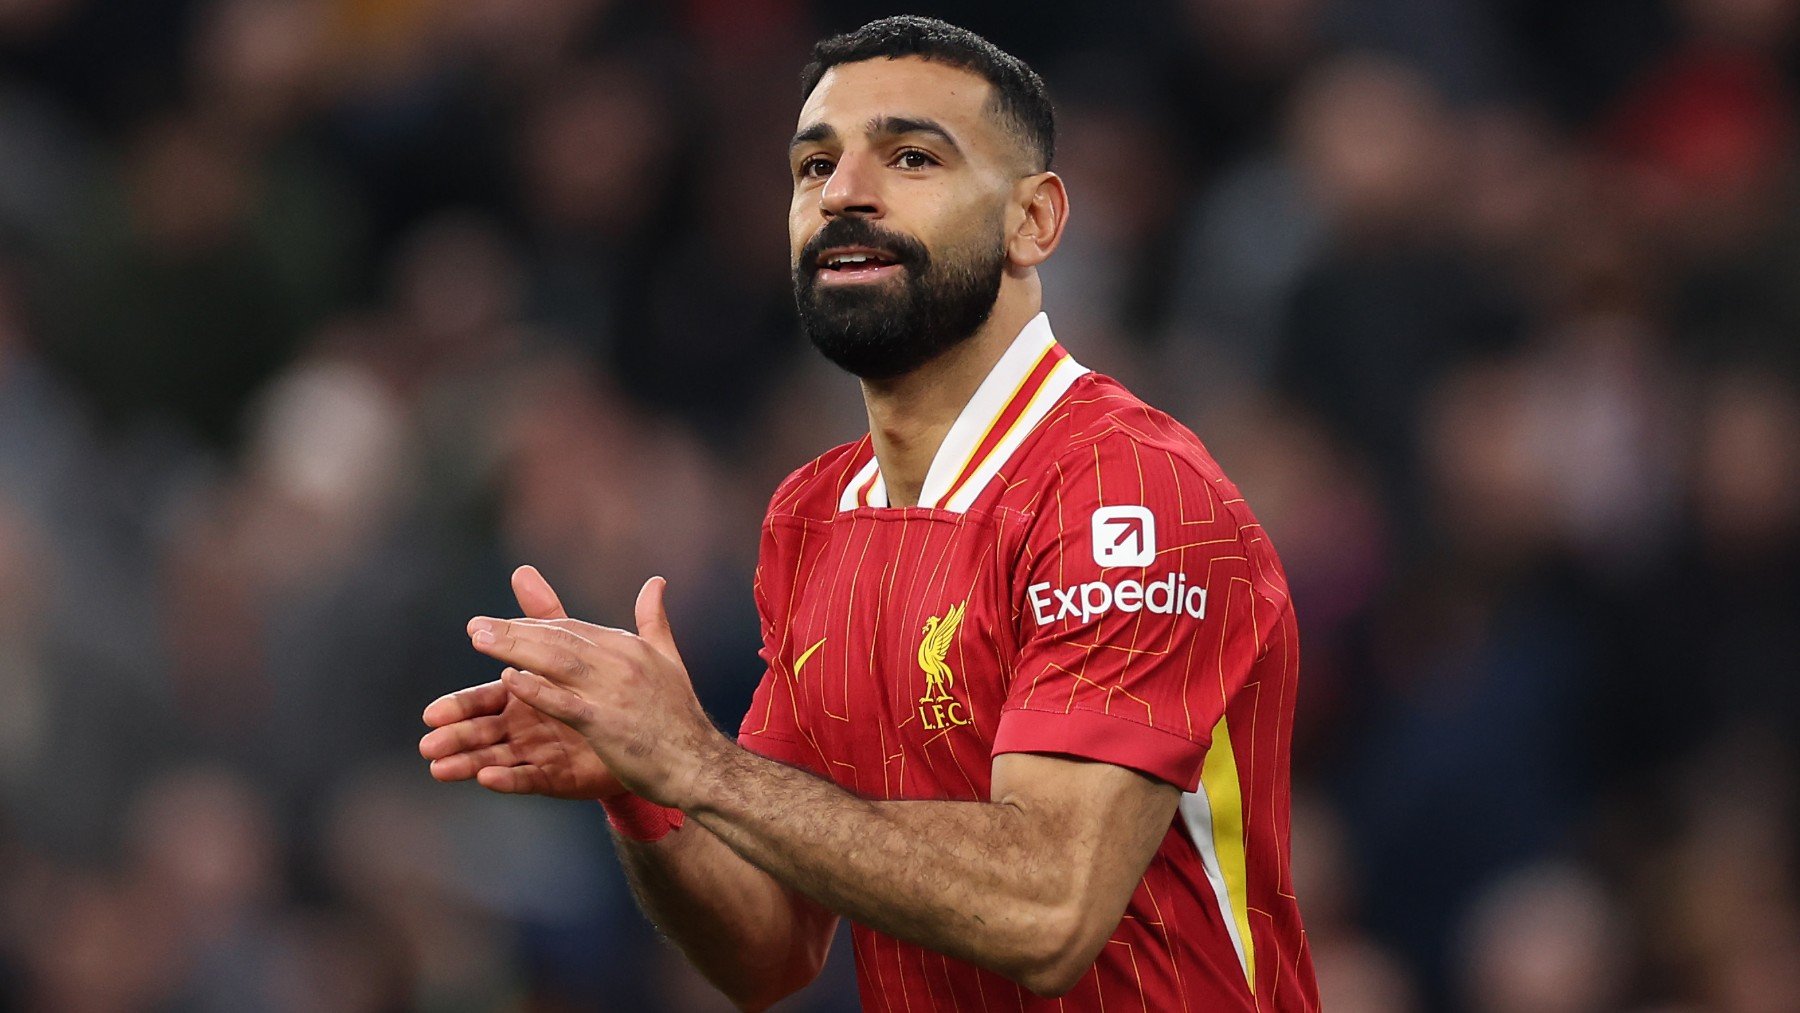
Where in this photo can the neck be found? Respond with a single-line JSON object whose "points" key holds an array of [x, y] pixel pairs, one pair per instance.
{"points": [[909, 415]]}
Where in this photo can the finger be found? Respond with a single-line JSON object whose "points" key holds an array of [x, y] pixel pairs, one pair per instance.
{"points": [[549, 698], [487, 698], [536, 597], [462, 766], [653, 618], [463, 736], [522, 779], [554, 647], [591, 632]]}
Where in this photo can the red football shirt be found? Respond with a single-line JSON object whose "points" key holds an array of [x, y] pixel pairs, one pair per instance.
{"points": [[1078, 578]]}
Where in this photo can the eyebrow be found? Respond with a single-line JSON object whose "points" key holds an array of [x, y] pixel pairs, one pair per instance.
{"points": [[895, 126], [816, 132], [880, 126]]}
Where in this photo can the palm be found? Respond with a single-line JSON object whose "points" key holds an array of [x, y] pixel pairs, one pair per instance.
{"points": [[486, 734], [552, 758]]}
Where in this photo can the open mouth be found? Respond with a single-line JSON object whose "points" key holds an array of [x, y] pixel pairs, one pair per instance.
{"points": [[853, 264]]}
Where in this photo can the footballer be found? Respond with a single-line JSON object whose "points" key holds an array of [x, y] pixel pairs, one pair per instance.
{"points": [[1031, 662]]}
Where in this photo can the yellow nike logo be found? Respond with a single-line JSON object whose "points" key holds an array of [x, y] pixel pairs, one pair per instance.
{"points": [[807, 654]]}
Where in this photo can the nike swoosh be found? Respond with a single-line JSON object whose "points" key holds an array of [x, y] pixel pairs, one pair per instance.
{"points": [[807, 654]]}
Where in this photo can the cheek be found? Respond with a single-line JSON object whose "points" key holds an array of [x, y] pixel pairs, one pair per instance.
{"points": [[973, 226], [803, 221]]}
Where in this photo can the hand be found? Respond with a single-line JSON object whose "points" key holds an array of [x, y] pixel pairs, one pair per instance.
{"points": [[627, 695], [488, 733]]}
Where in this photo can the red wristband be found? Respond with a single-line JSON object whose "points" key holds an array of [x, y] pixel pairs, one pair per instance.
{"points": [[640, 819]]}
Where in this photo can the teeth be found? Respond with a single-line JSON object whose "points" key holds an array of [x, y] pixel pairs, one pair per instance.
{"points": [[849, 258]]}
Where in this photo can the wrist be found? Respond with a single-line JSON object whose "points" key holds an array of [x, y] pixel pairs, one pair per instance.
{"points": [[697, 785], [637, 818]]}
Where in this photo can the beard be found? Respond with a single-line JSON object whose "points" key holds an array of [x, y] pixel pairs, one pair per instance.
{"points": [[881, 330]]}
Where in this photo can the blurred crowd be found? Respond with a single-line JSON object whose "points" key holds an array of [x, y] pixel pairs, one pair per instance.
{"points": [[318, 316]]}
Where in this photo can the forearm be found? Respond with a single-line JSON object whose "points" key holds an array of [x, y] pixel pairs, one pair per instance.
{"points": [[972, 880], [748, 934], [1030, 885]]}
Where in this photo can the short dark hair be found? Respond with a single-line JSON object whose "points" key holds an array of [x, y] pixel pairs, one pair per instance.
{"points": [[1020, 97]]}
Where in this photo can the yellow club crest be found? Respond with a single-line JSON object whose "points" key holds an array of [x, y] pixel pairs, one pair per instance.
{"points": [[938, 708]]}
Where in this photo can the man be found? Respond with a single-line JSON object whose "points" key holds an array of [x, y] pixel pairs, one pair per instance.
{"points": [[1031, 663]]}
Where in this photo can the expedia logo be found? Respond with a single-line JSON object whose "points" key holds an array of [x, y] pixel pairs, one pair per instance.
{"points": [[1169, 596], [1123, 536], [938, 708]]}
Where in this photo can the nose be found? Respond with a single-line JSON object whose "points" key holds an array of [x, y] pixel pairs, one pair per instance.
{"points": [[853, 189]]}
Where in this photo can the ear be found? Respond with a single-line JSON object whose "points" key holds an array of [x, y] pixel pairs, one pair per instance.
{"points": [[1045, 202]]}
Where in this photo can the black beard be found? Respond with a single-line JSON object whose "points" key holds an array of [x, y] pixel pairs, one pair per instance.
{"points": [[881, 330]]}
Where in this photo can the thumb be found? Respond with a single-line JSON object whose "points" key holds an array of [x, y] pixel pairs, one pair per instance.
{"points": [[537, 599], [653, 618]]}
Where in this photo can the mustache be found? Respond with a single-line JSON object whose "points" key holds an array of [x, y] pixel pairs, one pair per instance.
{"points": [[903, 249]]}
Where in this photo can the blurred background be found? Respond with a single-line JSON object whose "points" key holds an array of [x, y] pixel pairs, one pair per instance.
{"points": [[318, 316]]}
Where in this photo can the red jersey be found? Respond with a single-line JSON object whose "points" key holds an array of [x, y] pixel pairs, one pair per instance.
{"points": [[1079, 578]]}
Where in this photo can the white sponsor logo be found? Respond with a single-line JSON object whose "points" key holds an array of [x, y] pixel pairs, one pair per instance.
{"points": [[1168, 596], [1124, 536]]}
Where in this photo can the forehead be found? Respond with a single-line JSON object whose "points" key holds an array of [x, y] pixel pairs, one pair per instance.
{"points": [[851, 94]]}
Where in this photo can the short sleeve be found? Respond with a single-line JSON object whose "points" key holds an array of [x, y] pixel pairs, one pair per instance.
{"points": [[771, 726], [1138, 612]]}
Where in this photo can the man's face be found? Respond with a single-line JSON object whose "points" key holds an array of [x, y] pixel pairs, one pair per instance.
{"points": [[901, 179]]}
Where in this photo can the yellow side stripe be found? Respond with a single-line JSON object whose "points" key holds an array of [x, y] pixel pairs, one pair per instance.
{"points": [[1224, 795]]}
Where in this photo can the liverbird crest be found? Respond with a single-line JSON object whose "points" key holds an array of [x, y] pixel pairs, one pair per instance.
{"points": [[934, 648]]}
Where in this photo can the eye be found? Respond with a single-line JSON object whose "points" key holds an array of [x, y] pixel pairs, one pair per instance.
{"points": [[913, 158], [815, 167]]}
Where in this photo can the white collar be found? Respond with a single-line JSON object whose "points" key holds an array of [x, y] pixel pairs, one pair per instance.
{"points": [[1030, 378]]}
